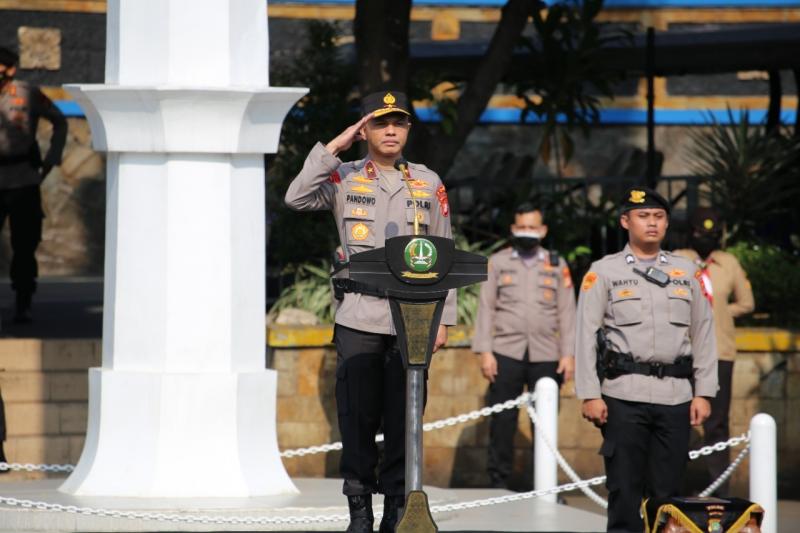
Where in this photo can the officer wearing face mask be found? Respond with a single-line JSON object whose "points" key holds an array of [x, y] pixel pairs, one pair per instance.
{"points": [[731, 296], [525, 328]]}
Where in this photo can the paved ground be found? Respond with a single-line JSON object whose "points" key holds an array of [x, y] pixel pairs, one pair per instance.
{"points": [[63, 308], [316, 497]]}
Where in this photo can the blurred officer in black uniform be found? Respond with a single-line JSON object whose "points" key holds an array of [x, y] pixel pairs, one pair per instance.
{"points": [[22, 170]]}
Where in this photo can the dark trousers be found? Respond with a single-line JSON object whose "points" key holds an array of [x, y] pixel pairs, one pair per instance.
{"points": [[23, 208], [370, 393], [715, 428], [512, 377], [645, 450]]}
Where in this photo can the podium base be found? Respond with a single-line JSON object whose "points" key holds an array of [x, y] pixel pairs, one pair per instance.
{"points": [[416, 515]]}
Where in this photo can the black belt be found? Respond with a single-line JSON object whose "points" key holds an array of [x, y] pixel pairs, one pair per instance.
{"points": [[14, 160], [618, 364], [344, 285]]}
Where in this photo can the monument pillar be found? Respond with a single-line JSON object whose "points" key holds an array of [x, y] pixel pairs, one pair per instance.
{"points": [[183, 405]]}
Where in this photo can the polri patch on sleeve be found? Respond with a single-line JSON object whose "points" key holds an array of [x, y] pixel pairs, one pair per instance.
{"points": [[567, 277], [444, 205], [588, 281], [335, 178]]}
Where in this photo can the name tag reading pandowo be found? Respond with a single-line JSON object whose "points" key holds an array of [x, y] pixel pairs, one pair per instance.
{"points": [[360, 199]]}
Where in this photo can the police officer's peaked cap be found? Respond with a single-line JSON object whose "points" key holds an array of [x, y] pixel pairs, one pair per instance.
{"points": [[643, 198], [706, 220], [385, 102]]}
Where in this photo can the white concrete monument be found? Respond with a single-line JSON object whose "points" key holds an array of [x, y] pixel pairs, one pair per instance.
{"points": [[183, 405]]}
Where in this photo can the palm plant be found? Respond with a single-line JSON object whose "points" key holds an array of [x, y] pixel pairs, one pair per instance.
{"points": [[753, 175], [311, 291]]}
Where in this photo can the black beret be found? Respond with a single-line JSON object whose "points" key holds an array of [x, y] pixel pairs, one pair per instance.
{"points": [[385, 102], [706, 220], [643, 198], [8, 57]]}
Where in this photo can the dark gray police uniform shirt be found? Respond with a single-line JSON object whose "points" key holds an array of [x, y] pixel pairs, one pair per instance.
{"points": [[369, 206], [655, 324]]}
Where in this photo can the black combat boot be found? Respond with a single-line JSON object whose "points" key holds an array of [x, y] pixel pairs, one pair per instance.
{"points": [[361, 517], [23, 314], [391, 513]]}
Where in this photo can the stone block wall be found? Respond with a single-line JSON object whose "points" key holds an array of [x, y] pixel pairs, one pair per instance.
{"points": [[44, 386], [766, 379]]}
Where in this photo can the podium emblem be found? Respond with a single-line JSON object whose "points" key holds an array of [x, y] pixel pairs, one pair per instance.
{"points": [[420, 255]]}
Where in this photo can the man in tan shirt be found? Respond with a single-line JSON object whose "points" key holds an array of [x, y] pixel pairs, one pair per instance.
{"points": [[646, 360], [731, 296], [372, 201], [525, 328]]}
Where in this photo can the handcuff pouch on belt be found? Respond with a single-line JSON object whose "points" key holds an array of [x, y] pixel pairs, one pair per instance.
{"points": [[611, 364], [343, 285]]}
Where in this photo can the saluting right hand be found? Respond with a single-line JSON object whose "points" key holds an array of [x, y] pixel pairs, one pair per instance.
{"points": [[346, 139], [595, 411], [489, 366]]}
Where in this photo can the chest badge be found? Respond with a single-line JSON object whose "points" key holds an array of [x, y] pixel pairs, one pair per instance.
{"points": [[420, 255], [677, 273], [360, 232], [362, 179], [361, 188], [420, 194]]}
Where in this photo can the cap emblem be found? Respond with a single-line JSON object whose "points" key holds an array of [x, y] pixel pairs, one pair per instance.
{"points": [[708, 224], [389, 99], [637, 197]]}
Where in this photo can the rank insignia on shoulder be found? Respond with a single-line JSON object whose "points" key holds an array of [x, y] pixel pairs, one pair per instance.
{"points": [[361, 189], [335, 178], [588, 281], [360, 232]]}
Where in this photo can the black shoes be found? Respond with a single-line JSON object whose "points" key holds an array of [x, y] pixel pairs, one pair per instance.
{"points": [[361, 517], [391, 513], [23, 314]]}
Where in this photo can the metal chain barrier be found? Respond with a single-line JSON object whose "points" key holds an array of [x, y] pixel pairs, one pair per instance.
{"points": [[727, 473], [430, 426], [592, 495], [276, 520], [526, 398]]}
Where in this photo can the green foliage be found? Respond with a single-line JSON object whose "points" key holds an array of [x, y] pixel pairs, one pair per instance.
{"points": [[321, 115], [311, 291], [753, 175], [773, 273], [568, 40]]}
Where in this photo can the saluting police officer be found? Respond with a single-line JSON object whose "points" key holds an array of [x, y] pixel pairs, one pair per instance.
{"points": [[371, 201], [525, 328], [646, 360]]}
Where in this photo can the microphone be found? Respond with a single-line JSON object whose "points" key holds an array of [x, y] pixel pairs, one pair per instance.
{"points": [[401, 164]]}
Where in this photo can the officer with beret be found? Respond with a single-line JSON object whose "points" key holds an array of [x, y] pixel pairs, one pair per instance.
{"points": [[22, 170], [371, 201], [731, 296], [646, 359]]}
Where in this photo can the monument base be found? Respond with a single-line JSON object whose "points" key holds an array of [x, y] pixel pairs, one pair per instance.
{"points": [[140, 424]]}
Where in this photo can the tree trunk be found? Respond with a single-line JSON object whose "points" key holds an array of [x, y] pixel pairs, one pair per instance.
{"points": [[442, 151], [774, 110], [381, 34]]}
